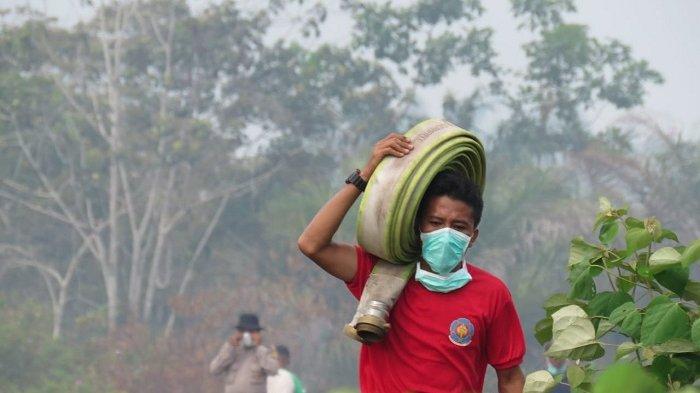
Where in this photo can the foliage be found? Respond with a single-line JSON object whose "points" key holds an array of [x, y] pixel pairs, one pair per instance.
{"points": [[33, 362], [651, 301], [257, 115], [568, 73]]}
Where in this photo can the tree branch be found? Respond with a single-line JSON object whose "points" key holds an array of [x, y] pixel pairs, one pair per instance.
{"points": [[189, 273]]}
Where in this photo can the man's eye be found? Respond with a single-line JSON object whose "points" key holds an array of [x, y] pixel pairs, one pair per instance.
{"points": [[435, 222]]}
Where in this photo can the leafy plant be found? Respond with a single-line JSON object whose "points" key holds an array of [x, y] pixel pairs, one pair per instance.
{"points": [[651, 301]]}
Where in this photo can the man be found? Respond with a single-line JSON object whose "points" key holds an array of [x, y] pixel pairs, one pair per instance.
{"points": [[284, 381], [245, 360], [445, 328]]}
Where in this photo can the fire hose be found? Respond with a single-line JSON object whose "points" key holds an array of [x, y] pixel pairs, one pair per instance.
{"points": [[386, 218]]}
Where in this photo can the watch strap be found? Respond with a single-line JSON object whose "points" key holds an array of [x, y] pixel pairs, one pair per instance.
{"points": [[356, 180]]}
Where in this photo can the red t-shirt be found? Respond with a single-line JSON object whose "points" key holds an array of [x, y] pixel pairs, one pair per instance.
{"points": [[441, 342]]}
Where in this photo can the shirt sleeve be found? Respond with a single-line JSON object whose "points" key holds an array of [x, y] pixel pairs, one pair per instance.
{"points": [[365, 263], [505, 343], [223, 359], [268, 360]]}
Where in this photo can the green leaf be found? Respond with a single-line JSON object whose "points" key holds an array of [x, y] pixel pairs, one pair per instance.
{"points": [[600, 218], [543, 330], [663, 322], [608, 232], [668, 234], [691, 254], [664, 258], [588, 353], [585, 387], [632, 222], [676, 345], [571, 330], [637, 238], [628, 318], [683, 371], [539, 382], [627, 377], [661, 368], [604, 326], [625, 283], [692, 291], [582, 284], [676, 367], [580, 251], [695, 332], [689, 389], [675, 279], [555, 302], [575, 375], [604, 303], [621, 212], [659, 300], [625, 349]]}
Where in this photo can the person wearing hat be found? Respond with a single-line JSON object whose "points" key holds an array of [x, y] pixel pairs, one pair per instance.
{"points": [[246, 362]]}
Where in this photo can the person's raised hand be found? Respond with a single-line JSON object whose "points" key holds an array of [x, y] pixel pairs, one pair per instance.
{"points": [[235, 339], [394, 144]]}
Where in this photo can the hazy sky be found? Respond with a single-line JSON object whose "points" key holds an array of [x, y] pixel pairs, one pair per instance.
{"points": [[666, 33]]}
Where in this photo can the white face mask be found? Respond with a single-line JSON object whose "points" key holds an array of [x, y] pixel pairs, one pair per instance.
{"points": [[247, 340]]}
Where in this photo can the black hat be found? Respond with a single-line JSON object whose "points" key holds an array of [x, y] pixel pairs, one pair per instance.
{"points": [[248, 322]]}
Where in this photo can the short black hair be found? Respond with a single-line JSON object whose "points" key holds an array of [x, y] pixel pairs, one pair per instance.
{"points": [[457, 186], [282, 351]]}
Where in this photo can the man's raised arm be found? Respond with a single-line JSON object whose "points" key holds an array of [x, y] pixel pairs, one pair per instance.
{"points": [[316, 242]]}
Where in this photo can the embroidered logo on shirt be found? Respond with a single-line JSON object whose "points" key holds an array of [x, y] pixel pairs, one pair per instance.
{"points": [[461, 332]]}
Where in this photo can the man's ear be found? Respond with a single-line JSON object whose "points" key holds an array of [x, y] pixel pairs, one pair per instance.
{"points": [[474, 236]]}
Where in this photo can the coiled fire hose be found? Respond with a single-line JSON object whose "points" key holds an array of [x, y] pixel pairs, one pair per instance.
{"points": [[385, 223]]}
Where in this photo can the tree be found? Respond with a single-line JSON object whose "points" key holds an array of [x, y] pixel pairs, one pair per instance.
{"points": [[119, 162], [149, 98], [568, 73]]}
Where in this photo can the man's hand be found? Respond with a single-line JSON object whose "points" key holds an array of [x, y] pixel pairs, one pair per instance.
{"points": [[393, 144], [235, 339]]}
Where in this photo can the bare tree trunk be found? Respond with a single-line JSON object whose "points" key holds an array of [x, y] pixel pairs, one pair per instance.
{"points": [[112, 41], [59, 292], [111, 273], [163, 227], [58, 311], [198, 251]]}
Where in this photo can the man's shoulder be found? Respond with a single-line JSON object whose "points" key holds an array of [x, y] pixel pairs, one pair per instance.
{"points": [[488, 280]]}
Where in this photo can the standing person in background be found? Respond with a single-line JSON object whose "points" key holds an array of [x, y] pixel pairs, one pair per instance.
{"points": [[284, 381], [246, 362]]}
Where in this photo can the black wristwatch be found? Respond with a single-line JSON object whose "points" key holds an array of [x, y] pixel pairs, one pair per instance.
{"points": [[356, 180]]}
